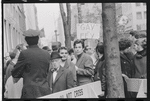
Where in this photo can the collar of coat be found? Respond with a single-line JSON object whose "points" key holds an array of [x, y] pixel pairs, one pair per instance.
{"points": [[34, 46], [125, 57]]}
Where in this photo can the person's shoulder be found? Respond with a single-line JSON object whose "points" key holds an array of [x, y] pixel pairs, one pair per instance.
{"points": [[71, 63], [86, 55], [66, 70]]}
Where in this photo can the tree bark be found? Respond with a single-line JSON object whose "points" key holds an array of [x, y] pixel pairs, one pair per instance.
{"points": [[115, 87], [79, 13], [66, 23]]}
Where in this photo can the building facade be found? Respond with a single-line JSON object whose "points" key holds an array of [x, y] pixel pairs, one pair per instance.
{"points": [[13, 25], [17, 18], [136, 13]]}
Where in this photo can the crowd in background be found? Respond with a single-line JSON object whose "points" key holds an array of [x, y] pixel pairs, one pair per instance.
{"points": [[53, 69]]}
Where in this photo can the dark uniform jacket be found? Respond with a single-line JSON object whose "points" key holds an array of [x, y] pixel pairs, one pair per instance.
{"points": [[32, 66], [85, 70], [63, 80]]}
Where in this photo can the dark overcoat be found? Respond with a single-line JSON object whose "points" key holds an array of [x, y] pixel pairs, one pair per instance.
{"points": [[140, 65], [32, 66], [63, 80], [85, 70], [127, 67]]}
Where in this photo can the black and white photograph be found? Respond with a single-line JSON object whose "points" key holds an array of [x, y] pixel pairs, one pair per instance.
{"points": [[74, 50]]}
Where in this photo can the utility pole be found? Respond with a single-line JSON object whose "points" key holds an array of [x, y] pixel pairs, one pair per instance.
{"points": [[55, 34], [79, 13]]}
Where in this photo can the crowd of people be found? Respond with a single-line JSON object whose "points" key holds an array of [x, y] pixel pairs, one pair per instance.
{"points": [[40, 72]]}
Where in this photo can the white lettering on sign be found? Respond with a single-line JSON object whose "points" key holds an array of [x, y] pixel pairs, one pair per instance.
{"points": [[88, 30]]}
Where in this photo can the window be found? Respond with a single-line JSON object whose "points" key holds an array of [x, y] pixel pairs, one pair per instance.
{"points": [[138, 27], [5, 37], [144, 4], [145, 15], [14, 12], [137, 4], [9, 38], [139, 15]]}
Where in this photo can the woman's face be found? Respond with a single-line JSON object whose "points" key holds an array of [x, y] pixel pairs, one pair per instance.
{"points": [[64, 54]]}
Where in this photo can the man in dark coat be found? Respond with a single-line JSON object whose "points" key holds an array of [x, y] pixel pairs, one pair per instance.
{"points": [[59, 78], [32, 66], [84, 64], [126, 60]]}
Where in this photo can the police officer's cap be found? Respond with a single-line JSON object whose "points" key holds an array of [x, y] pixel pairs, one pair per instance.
{"points": [[31, 33]]}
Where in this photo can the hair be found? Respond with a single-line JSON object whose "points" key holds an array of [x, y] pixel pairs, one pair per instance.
{"points": [[86, 48], [54, 48], [133, 33], [79, 41], [61, 48], [140, 35], [100, 48], [32, 40], [70, 51], [12, 55], [46, 48], [124, 43]]}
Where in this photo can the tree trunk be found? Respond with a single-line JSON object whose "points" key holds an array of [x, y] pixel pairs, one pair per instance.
{"points": [[66, 23], [79, 13], [115, 87]]}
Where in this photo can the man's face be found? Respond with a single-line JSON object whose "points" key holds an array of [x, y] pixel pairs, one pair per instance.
{"points": [[49, 51], [139, 45], [127, 50], [78, 48], [64, 54], [89, 51], [56, 63], [132, 38]]}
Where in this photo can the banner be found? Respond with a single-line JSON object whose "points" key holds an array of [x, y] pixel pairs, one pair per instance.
{"points": [[136, 85], [142, 93], [91, 90], [88, 30]]}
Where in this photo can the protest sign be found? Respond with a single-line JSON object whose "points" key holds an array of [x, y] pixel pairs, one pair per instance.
{"points": [[91, 90], [88, 31]]}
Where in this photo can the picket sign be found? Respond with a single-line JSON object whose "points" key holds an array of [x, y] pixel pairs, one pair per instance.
{"points": [[142, 93], [90, 90], [136, 85]]}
